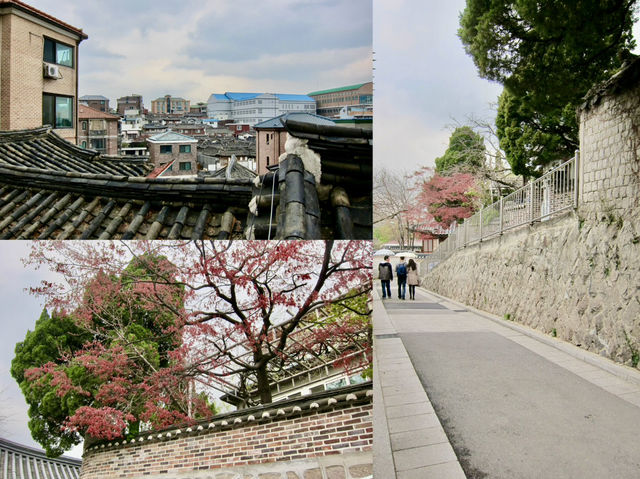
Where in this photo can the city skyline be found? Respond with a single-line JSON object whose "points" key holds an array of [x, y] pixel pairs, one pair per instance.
{"points": [[141, 48]]}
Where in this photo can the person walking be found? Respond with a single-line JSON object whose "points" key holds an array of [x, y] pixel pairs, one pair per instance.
{"points": [[413, 279], [401, 274], [385, 273]]}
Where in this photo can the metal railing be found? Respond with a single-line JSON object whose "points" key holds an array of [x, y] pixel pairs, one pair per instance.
{"points": [[554, 192]]}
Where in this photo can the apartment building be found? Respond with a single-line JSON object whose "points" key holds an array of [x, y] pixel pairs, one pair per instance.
{"points": [[98, 130], [170, 105], [355, 101], [175, 151], [97, 102], [130, 102], [38, 70]]}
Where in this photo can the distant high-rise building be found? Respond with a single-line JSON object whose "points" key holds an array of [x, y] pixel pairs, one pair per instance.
{"points": [[170, 105], [39, 75], [252, 108], [131, 102], [347, 101], [97, 102]]}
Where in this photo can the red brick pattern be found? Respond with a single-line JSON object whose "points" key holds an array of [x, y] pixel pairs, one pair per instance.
{"points": [[311, 434]]}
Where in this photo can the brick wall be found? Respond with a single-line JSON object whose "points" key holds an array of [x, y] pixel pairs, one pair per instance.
{"points": [[158, 158], [609, 144], [22, 79], [272, 147], [328, 435]]}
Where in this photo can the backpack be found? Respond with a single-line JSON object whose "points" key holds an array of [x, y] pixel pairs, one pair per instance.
{"points": [[401, 268]]}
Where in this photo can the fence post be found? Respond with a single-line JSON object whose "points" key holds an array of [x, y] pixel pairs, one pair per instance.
{"points": [[576, 183], [501, 217], [464, 237], [531, 201], [480, 239]]}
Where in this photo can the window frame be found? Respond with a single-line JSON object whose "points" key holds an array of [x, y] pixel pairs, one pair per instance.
{"points": [[55, 52], [164, 147], [182, 166], [183, 149], [53, 123]]}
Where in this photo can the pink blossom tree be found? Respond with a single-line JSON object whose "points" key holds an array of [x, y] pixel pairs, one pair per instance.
{"points": [[166, 317], [443, 199]]}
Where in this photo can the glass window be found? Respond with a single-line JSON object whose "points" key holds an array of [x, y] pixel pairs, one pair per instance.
{"points": [[185, 165], [55, 52], [97, 144], [185, 148], [57, 111], [165, 149], [84, 125]]}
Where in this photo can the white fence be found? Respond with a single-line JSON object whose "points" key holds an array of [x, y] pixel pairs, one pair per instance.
{"points": [[554, 192]]}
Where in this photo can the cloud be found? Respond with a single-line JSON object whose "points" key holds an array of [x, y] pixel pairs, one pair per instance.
{"points": [[193, 48]]}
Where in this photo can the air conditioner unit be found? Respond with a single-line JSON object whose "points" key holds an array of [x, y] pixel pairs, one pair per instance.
{"points": [[51, 71]]}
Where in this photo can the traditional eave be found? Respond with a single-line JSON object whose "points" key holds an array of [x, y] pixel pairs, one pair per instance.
{"points": [[361, 394], [51, 189]]}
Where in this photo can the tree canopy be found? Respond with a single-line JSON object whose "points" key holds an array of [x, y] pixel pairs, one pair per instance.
{"points": [[225, 315], [443, 200], [95, 370], [547, 55], [466, 151]]}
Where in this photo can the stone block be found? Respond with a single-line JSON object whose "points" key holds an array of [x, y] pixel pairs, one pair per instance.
{"points": [[335, 472], [360, 470], [315, 473]]}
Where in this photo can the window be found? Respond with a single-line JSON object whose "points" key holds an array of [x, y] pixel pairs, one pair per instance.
{"points": [[267, 161], [57, 111], [185, 148], [165, 149], [185, 165], [84, 125], [84, 144], [56, 52], [97, 144]]}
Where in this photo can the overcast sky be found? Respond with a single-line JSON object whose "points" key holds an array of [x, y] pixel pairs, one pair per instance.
{"points": [[424, 81], [192, 48], [19, 313]]}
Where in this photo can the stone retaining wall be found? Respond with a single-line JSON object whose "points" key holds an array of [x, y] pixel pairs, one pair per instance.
{"points": [[325, 436], [576, 277]]}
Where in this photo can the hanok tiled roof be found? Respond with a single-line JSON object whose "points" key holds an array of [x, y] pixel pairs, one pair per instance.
{"points": [[276, 122], [171, 136], [339, 207], [51, 189], [23, 462], [86, 112], [43, 149], [234, 170]]}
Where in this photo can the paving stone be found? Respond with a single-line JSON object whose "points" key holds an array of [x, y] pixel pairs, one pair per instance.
{"points": [[416, 457]]}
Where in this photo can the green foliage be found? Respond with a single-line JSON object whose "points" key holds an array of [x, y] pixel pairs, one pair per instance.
{"points": [[466, 151], [531, 139], [52, 338], [547, 55], [118, 314]]}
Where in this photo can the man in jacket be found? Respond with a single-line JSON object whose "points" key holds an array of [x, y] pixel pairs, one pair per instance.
{"points": [[385, 272], [401, 274]]}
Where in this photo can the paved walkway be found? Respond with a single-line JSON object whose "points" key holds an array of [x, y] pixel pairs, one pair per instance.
{"points": [[514, 403]]}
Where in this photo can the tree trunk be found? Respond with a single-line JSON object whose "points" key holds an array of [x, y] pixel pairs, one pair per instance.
{"points": [[263, 385]]}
